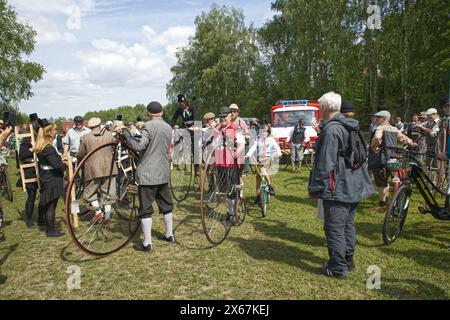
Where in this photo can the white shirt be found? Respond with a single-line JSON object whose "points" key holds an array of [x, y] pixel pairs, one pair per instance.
{"points": [[72, 138], [266, 147]]}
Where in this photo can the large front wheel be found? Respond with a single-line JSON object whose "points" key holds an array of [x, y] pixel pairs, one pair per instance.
{"points": [[396, 214], [216, 200], [97, 223]]}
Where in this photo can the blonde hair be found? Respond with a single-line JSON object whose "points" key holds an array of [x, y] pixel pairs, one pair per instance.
{"points": [[42, 139]]}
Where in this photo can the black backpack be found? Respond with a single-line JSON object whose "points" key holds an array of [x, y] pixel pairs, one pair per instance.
{"points": [[355, 154]]}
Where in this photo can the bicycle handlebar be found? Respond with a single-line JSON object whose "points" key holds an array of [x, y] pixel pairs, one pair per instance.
{"points": [[429, 154]]}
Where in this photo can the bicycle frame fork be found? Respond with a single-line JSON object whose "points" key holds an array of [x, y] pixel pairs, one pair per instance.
{"points": [[422, 181]]}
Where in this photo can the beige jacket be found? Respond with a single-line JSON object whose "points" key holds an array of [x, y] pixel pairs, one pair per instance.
{"points": [[99, 164]]}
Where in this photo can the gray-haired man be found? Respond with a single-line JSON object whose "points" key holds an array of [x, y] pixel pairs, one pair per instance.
{"points": [[340, 186], [152, 174]]}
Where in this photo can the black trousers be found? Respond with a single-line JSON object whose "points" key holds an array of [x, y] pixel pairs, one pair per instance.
{"points": [[340, 231]]}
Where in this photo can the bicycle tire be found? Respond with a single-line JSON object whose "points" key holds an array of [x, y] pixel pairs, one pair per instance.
{"points": [[105, 239], [263, 202], [398, 208], [242, 209], [213, 205]]}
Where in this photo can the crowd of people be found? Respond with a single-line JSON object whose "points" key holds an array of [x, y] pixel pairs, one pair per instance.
{"points": [[340, 178]]}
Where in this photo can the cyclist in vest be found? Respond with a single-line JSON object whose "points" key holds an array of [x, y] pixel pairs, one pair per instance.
{"points": [[298, 137], [187, 113], [385, 136]]}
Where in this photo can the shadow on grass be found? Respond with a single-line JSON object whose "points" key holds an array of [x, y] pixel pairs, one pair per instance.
{"points": [[188, 230], [427, 258], [71, 253], [280, 230], [419, 231], [281, 253], [3, 259], [412, 289], [305, 201]]}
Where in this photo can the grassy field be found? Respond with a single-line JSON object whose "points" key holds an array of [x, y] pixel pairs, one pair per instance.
{"points": [[267, 258]]}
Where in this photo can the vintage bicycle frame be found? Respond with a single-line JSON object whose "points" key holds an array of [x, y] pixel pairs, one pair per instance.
{"points": [[421, 180]]}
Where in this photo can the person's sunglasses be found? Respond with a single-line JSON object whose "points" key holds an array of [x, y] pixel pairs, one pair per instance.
{"points": [[234, 111]]}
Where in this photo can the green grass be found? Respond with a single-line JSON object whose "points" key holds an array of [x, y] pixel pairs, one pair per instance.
{"points": [[267, 258]]}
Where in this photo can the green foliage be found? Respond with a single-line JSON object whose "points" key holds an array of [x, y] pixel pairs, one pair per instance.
{"points": [[17, 40], [311, 47], [129, 113], [217, 65]]}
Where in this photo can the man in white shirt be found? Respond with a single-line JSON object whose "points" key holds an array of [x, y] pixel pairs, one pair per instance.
{"points": [[72, 139]]}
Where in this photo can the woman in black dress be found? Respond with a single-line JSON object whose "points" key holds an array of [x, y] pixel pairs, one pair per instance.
{"points": [[51, 174]]}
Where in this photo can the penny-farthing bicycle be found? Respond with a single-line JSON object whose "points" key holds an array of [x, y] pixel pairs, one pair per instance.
{"points": [[181, 166], [222, 196], [101, 235]]}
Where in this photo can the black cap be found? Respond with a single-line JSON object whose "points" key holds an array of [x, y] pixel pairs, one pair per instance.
{"points": [[77, 119], [444, 102], [43, 123], [346, 107], [139, 119], [131, 123], [181, 98], [119, 117], [224, 111], [154, 107], [34, 117]]}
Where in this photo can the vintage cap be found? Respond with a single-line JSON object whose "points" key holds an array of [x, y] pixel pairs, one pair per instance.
{"points": [[209, 116], [431, 111], [155, 107], [94, 122], [383, 114]]}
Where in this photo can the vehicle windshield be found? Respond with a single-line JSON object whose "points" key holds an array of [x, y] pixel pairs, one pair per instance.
{"points": [[283, 119]]}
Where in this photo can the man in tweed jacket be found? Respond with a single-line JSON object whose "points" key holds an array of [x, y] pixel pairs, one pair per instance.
{"points": [[152, 173]]}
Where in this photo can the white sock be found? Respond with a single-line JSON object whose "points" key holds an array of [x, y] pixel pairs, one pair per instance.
{"points": [[147, 229], [108, 211], [96, 207], [168, 218], [231, 206]]}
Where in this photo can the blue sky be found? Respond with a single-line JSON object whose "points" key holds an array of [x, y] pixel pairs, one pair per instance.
{"points": [[100, 54]]}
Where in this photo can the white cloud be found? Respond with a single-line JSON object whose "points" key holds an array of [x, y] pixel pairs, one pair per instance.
{"points": [[39, 7], [48, 32], [112, 64], [53, 20]]}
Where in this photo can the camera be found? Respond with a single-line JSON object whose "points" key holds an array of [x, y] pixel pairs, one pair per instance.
{"points": [[9, 118]]}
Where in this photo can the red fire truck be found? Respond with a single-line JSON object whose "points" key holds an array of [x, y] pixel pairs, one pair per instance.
{"points": [[285, 116]]}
